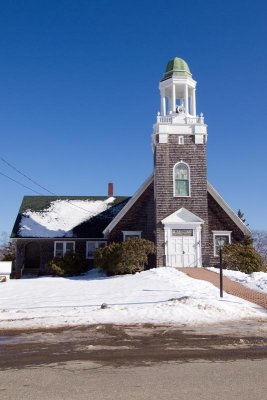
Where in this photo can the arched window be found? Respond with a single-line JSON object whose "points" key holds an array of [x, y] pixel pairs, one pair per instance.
{"points": [[181, 180]]}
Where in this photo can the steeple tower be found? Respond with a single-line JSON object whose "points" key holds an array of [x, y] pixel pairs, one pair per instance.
{"points": [[180, 178]]}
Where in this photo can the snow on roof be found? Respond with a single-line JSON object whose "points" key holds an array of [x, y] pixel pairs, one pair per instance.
{"points": [[60, 217]]}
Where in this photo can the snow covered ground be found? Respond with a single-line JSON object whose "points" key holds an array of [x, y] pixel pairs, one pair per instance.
{"points": [[255, 281], [158, 296]]}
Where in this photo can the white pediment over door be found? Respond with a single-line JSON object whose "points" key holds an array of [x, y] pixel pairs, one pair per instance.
{"points": [[182, 216]]}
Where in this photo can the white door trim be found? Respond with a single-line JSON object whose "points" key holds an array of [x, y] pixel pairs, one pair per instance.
{"points": [[183, 219]]}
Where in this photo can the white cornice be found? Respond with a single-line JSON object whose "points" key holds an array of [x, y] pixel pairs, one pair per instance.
{"points": [[178, 79], [182, 216]]}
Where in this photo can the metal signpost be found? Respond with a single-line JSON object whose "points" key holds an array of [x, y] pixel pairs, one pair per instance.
{"points": [[221, 243]]}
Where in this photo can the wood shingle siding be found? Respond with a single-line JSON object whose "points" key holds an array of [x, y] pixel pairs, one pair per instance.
{"points": [[165, 157]]}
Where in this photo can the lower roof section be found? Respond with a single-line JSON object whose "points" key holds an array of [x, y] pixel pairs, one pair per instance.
{"points": [[66, 216]]}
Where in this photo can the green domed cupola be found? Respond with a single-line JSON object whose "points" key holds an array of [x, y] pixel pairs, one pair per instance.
{"points": [[178, 89], [176, 67]]}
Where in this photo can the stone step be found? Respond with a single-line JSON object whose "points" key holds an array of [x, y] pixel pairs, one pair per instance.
{"points": [[30, 271]]}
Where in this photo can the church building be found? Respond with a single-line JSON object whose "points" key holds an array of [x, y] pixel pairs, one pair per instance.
{"points": [[176, 207]]}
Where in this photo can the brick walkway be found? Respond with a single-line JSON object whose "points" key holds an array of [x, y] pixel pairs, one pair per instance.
{"points": [[231, 287]]}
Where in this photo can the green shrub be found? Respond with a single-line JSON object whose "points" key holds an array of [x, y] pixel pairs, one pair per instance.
{"points": [[126, 257], [242, 257], [71, 264]]}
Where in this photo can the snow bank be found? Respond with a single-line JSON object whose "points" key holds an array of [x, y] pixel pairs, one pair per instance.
{"points": [[61, 217], [255, 281], [158, 296]]}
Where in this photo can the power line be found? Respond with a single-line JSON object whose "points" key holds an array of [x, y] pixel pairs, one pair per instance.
{"points": [[26, 176], [36, 183], [21, 184]]}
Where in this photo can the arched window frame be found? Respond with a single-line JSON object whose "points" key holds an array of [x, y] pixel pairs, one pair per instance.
{"points": [[189, 179]]}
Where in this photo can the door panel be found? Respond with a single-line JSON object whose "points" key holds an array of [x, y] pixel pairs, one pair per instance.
{"points": [[182, 251], [176, 252], [189, 249]]}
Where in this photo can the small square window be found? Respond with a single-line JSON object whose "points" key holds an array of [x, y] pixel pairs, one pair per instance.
{"points": [[220, 237], [126, 237], [131, 235], [180, 140]]}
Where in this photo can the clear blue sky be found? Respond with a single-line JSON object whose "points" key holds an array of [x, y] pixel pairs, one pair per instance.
{"points": [[79, 94]]}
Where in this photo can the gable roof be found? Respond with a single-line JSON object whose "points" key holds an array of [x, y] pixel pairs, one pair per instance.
{"points": [[66, 216], [43, 216], [210, 190]]}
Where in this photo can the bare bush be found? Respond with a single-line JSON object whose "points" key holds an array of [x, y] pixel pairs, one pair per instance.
{"points": [[260, 244]]}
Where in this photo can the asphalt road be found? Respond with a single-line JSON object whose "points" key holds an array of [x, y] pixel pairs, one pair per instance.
{"points": [[134, 362], [242, 379]]}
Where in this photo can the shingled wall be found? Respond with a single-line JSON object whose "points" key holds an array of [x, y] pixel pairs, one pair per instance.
{"points": [[165, 157], [140, 217], [219, 220]]}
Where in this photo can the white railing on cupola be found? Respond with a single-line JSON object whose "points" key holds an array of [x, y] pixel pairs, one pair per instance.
{"points": [[165, 120], [178, 119]]}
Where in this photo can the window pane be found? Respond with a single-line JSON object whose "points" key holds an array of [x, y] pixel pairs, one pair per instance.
{"points": [[91, 247], [181, 188], [59, 250], [218, 238], [181, 171], [182, 232], [69, 246], [132, 237], [181, 177]]}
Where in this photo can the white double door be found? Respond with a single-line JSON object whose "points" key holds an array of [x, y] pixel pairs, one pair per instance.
{"points": [[182, 251], [182, 230]]}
